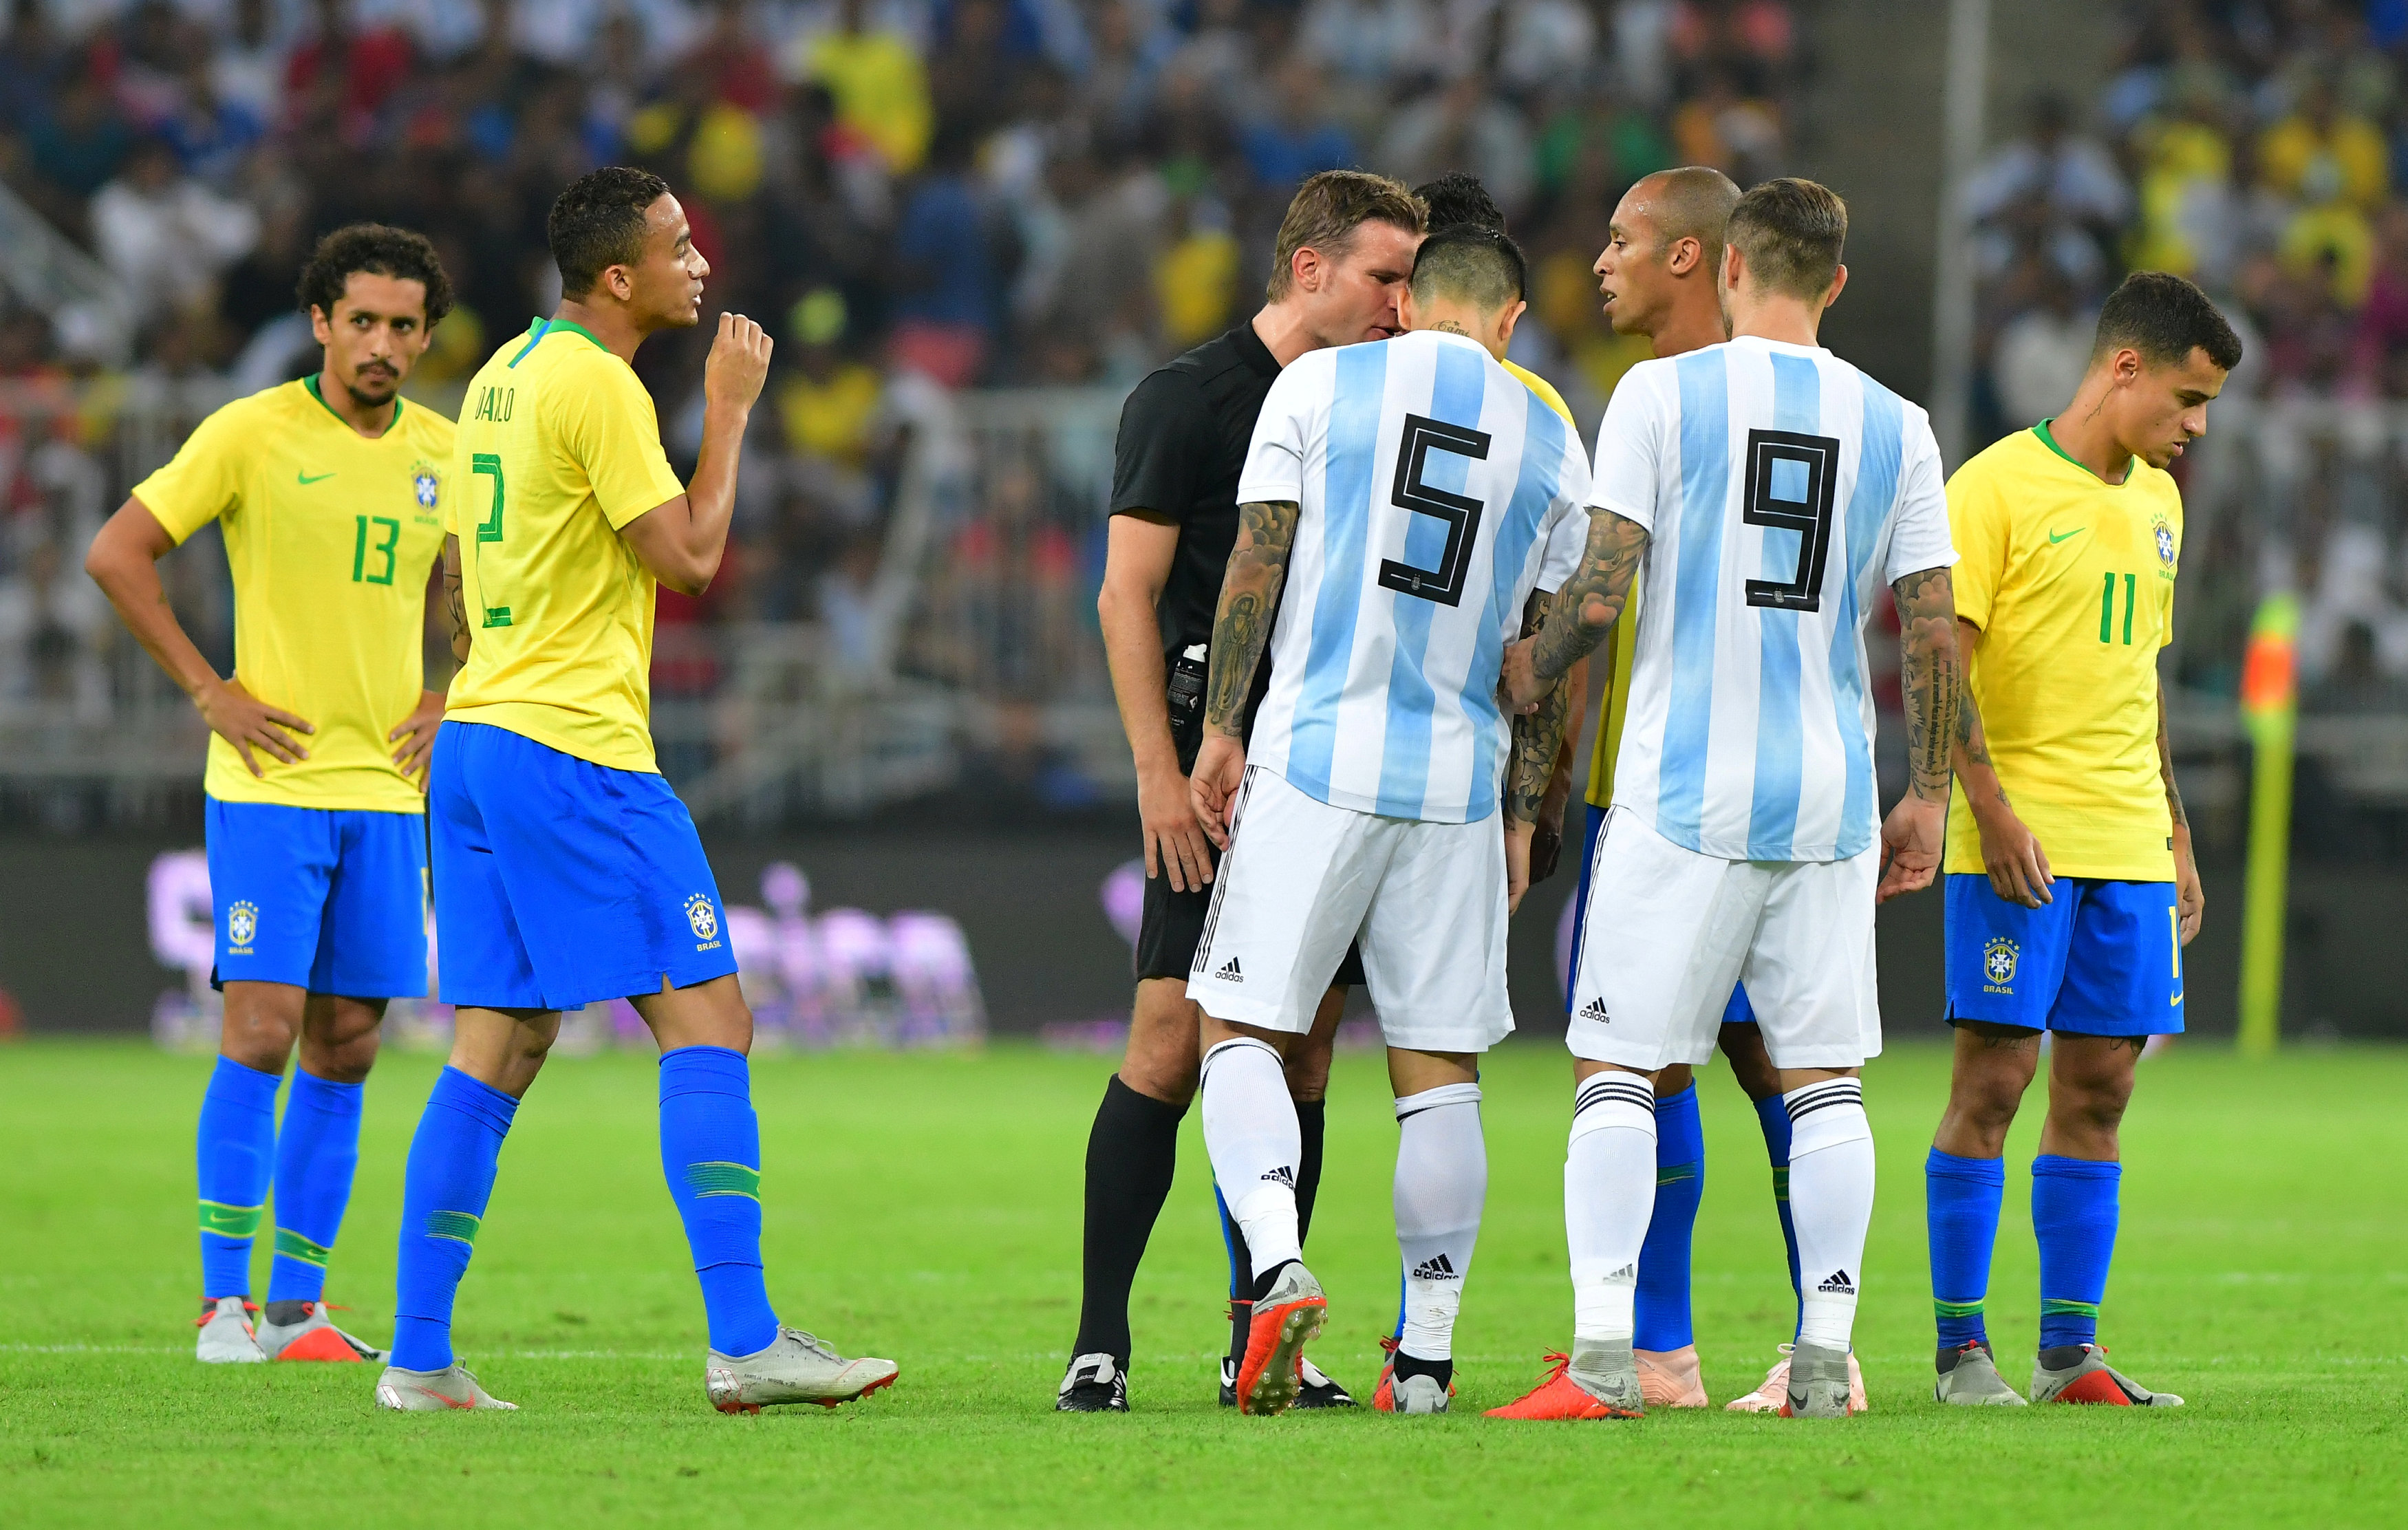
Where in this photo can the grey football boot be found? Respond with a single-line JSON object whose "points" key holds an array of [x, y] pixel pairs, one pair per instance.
{"points": [[2080, 1374], [1608, 1372], [226, 1337], [1818, 1382], [1968, 1378], [796, 1368], [454, 1387]]}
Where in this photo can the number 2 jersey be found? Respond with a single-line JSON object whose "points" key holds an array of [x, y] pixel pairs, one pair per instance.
{"points": [[329, 537], [1435, 491], [558, 449], [1782, 488]]}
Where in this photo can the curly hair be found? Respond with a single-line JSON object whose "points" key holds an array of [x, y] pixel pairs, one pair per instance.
{"points": [[598, 222], [379, 250]]}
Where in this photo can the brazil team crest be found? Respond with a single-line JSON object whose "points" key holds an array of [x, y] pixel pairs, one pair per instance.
{"points": [[425, 484], [2165, 535], [1999, 964], [703, 916], [242, 924]]}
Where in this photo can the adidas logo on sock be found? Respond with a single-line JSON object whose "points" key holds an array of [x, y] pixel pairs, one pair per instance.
{"points": [[1837, 1284], [1438, 1268], [1282, 1176], [1595, 1010], [1229, 973]]}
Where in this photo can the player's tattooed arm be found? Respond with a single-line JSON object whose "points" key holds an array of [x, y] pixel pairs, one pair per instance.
{"points": [[455, 600], [2166, 763], [1933, 676], [1538, 737], [1584, 611], [1249, 593]]}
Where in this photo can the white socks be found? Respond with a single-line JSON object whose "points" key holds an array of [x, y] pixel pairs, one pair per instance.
{"points": [[1250, 1132], [1442, 1183], [1831, 1204], [1609, 1195]]}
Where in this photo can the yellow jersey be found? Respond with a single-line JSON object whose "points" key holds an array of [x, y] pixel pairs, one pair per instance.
{"points": [[559, 449], [1545, 389], [330, 538], [2072, 582]]}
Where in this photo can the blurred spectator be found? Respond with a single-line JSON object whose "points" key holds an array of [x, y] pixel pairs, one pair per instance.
{"points": [[1462, 126], [2042, 354], [164, 234], [881, 90]]}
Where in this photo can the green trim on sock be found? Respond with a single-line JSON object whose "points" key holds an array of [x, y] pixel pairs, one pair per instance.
{"points": [[292, 1245], [2051, 1306], [231, 1220], [459, 1226], [722, 1178], [1954, 1309], [1781, 1185], [1673, 1174]]}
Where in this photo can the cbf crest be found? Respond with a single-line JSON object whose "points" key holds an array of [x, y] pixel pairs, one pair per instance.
{"points": [[703, 915], [425, 484], [242, 924], [2165, 535], [1999, 963]]}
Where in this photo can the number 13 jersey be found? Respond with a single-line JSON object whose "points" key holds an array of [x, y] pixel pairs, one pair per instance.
{"points": [[1782, 488], [1435, 491], [558, 449]]}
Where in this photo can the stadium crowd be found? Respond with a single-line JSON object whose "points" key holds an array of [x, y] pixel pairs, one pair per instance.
{"points": [[914, 192], [2262, 149]]}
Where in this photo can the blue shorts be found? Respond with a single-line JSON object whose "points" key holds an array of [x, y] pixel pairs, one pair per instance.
{"points": [[1737, 1012], [2104, 959], [333, 901], [559, 882]]}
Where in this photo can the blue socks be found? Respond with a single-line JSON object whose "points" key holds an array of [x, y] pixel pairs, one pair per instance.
{"points": [[443, 1196], [1961, 1206], [1772, 1115], [316, 1154], [238, 1139], [711, 1153], [2074, 1210], [1662, 1309]]}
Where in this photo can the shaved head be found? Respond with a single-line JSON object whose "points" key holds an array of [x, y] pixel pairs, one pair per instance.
{"points": [[1693, 202], [1664, 247]]}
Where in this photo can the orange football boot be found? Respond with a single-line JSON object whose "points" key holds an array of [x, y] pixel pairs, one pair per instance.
{"points": [[1558, 1396], [1286, 1318]]}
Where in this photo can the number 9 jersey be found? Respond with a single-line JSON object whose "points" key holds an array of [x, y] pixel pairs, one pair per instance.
{"points": [[1781, 488], [558, 449], [1435, 491]]}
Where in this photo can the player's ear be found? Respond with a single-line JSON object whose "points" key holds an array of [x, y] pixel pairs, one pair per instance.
{"points": [[1734, 266], [1507, 319], [1304, 267], [1839, 283], [1687, 252], [321, 329]]}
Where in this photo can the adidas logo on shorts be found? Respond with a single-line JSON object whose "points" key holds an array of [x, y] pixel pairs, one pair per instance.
{"points": [[1282, 1176], [1436, 1268], [1229, 973], [1595, 1010], [1837, 1284]]}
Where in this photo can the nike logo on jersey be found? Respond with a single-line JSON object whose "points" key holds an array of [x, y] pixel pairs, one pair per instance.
{"points": [[2177, 999], [2054, 538], [1436, 1268], [307, 478], [1229, 973]]}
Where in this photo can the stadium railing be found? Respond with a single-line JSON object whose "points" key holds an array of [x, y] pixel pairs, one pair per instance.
{"points": [[971, 652]]}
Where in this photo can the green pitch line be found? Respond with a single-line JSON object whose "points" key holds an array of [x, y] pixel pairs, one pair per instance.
{"points": [[927, 1208]]}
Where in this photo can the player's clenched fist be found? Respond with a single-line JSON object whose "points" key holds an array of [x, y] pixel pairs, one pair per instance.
{"points": [[739, 363]]}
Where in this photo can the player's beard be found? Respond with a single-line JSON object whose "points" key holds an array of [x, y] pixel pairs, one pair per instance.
{"points": [[373, 389]]}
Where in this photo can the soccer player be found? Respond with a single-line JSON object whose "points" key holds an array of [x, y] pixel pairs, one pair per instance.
{"points": [[1420, 492], [1769, 485], [566, 870], [330, 493], [2071, 887], [1343, 254]]}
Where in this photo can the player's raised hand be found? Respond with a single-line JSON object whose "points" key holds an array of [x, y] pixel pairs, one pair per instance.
{"points": [[1220, 768], [1519, 688], [416, 737], [2013, 856], [1912, 838], [1174, 841], [246, 723], [739, 363]]}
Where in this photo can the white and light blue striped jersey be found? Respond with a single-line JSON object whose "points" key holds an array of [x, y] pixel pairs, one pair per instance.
{"points": [[1435, 491], [1781, 489]]}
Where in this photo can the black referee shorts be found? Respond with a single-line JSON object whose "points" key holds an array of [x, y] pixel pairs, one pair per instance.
{"points": [[1174, 924]]}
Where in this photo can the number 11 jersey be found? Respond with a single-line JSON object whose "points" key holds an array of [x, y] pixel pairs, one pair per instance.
{"points": [[558, 449], [1782, 488], [1435, 491]]}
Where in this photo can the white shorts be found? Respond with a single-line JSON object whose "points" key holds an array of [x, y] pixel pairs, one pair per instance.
{"points": [[1668, 931], [1302, 878]]}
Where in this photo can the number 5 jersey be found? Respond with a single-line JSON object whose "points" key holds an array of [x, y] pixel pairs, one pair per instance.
{"points": [[559, 449], [1782, 488], [1435, 491]]}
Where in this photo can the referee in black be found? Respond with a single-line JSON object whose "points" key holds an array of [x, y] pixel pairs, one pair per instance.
{"points": [[1343, 253]]}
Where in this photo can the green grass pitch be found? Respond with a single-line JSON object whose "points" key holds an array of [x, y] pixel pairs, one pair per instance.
{"points": [[927, 1208]]}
